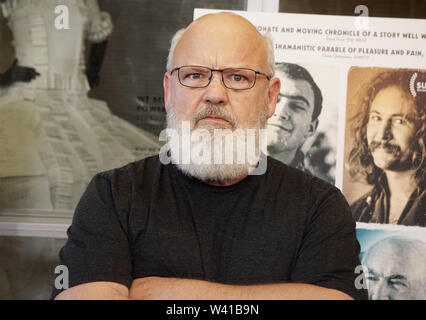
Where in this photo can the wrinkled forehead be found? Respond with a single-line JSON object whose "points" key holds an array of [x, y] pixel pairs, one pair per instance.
{"points": [[221, 40], [392, 257]]}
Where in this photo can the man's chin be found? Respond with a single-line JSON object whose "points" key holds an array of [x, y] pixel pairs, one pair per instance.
{"points": [[384, 160], [213, 125], [393, 164]]}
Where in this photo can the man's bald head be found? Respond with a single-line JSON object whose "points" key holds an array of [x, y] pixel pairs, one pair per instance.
{"points": [[226, 27], [396, 269]]}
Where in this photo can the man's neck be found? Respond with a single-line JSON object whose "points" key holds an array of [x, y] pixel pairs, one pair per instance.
{"points": [[286, 156], [401, 182]]}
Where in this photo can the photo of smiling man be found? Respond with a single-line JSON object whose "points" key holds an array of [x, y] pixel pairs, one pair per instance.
{"points": [[301, 133], [387, 133]]}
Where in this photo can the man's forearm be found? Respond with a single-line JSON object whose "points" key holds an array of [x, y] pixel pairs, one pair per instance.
{"points": [[188, 289], [95, 291]]}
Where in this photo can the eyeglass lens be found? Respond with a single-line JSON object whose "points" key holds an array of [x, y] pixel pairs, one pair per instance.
{"points": [[233, 78]]}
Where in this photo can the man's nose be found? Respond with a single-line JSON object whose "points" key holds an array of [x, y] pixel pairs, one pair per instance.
{"points": [[380, 291], [285, 113], [216, 92], [386, 131]]}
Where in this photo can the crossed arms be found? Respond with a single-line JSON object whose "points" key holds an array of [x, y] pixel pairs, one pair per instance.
{"points": [[159, 288]]}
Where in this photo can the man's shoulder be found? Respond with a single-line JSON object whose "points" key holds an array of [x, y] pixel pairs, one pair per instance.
{"points": [[120, 184], [140, 171], [134, 168]]}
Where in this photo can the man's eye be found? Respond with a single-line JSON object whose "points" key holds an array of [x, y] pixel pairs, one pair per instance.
{"points": [[297, 107], [398, 121], [375, 118], [398, 283], [372, 278], [238, 78], [194, 76]]}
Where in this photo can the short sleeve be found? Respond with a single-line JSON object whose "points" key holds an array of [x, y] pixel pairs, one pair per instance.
{"points": [[329, 254], [97, 248]]}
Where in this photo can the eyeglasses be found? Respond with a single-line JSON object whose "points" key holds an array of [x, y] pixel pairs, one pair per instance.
{"points": [[232, 78]]}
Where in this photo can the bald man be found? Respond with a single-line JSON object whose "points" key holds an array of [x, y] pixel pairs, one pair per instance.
{"points": [[396, 269], [191, 224]]}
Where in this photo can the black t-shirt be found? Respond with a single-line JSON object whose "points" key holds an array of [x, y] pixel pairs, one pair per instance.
{"points": [[150, 219]]}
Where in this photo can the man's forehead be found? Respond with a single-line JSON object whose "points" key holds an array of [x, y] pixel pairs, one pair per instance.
{"points": [[218, 19], [220, 38], [393, 100], [386, 262], [295, 88]]}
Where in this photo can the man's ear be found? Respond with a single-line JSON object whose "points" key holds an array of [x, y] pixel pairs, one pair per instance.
{"points": [[312, 128], [273, 92], [166, 84]]}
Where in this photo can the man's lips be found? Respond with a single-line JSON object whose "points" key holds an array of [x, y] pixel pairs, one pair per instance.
{"points": [[213, 118], [280, 127]]}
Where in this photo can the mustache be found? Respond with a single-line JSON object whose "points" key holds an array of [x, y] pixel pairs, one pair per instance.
{"points": [[211, 110], [388, 147]]}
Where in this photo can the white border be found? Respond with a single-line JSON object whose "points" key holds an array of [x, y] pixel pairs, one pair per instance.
{"points": [[390, 227]]}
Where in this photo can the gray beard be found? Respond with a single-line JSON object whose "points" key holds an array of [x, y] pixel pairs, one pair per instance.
{"points": [[230, 167]]}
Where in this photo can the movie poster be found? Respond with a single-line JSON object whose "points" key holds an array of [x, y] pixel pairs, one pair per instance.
{"points": [[369, 140]]}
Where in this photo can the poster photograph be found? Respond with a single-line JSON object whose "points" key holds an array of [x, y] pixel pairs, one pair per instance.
{"points": [[394, 261], [385, 145], [302, 132]]}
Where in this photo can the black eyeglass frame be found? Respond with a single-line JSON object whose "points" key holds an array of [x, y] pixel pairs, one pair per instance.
{"points": [[221, 71]]}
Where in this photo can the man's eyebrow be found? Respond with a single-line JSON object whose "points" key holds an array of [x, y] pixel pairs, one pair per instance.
{"points": [[372, 272], [302, 98], [409, 116], [398, 277]]}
